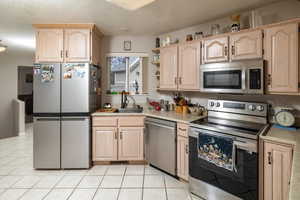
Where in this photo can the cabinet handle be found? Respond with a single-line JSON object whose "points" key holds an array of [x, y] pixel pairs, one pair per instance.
{"points": [[186, 149], [121, 136], [232, 50], [67, 54], [269, 79], [182, 129], [175, 81], [180, 80], [226, 51], [116, 135], [269, 158], [61, 53]]}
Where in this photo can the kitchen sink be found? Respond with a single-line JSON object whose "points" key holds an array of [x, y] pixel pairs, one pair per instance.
{"points": [[131, 110]]}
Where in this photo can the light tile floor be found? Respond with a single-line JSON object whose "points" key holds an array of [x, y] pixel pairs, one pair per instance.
{"points": [[18, 180]]}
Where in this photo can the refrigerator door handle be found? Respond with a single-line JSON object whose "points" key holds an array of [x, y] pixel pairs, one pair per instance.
{"points": [[74, 119], [48, 119]]}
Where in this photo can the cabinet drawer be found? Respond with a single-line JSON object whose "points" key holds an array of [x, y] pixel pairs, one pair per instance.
{"points": [[105, 121], [131, 121], [182, 129]]}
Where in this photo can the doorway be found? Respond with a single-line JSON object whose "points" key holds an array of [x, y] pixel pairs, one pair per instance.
{"points": [[25, 90]]}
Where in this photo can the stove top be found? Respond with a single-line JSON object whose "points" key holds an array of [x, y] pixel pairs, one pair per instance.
{"points": [[235, 118], [246, 129]]}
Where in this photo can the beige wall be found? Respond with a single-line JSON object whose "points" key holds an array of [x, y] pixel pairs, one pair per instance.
{"points": [[8, 86]]}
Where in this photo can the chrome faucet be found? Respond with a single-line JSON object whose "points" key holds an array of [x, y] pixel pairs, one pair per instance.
{"points": [[124, 100]]}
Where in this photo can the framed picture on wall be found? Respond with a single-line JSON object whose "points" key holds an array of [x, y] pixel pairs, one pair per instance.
{"points": [[127, 45]]}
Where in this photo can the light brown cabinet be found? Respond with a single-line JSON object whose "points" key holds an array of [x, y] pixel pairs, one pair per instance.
{"points": [[179, 67], [131, 143], [189, 66], [68, 43], [182, 151], [215, 50], [77, 45], [281, 53], [277, 171], [49, 45], [168, 67], [246, 45], [105, 143], [118, 138]]}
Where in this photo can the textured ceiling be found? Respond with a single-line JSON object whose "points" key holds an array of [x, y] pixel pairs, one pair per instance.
{"points": [[16, 16]]}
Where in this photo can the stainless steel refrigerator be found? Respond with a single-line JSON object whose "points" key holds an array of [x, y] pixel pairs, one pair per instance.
{"points": [[64, 97]]}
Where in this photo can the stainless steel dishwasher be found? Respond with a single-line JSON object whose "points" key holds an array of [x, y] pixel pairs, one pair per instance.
{"points": [[160, 144]]}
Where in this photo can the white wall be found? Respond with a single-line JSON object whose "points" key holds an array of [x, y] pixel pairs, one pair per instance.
{"points": [[9, 61], [139, 44]]}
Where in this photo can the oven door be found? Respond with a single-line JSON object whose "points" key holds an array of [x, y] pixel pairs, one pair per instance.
{"points": [[223, 80], [241, 180]]}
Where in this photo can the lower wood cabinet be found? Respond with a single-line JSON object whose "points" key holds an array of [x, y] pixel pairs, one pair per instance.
{"points": [[105, 143], [277, 171], [182, 151], [112, 141], [182, 157], [131, 143]]}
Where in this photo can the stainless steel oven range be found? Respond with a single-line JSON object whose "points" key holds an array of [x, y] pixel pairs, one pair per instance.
{"points": [[246, 77], [223, 150]]}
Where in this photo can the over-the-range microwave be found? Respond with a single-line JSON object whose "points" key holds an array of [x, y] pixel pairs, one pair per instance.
{"points": [[246, 77]]}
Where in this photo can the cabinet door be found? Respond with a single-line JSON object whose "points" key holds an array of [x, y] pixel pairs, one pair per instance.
{"points": [[215, 50], [168, 67], [189, 64], [96, 51], [182, 157], [131, 143], [105, 144], [77, 45], [281, 54], [277, 171], [246, 45], [49, 45]]}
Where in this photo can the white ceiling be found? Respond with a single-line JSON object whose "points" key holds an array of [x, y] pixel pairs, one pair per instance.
{"points": [[16, 16]]}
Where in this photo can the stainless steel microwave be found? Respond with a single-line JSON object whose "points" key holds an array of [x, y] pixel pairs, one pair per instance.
{"points": [[246, 77]]}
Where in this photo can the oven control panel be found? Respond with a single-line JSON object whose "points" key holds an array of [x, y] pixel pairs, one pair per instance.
{"points": [[250, 108]]}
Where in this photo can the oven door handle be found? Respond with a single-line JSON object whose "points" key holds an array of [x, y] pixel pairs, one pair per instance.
{"points": [[247, 146], [244, 80]]}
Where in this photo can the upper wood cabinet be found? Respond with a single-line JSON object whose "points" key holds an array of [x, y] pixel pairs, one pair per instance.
{"points": [[68, 43], [131, 143], [49, 45], [77, 45], [168, 67], [189, 66], [277, 171], [246, 45], [281, 46], [215, 50]]}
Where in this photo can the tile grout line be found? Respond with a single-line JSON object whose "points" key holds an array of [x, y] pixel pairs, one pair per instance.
{"points": [[98, 188], [121, 183]]}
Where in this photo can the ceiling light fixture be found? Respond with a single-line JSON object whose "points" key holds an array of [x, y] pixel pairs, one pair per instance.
{"points": [[2, 47], [131, 4]]}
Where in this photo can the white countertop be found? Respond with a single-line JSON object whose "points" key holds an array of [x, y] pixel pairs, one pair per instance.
{"points": [[292, 138], [170, 115]]}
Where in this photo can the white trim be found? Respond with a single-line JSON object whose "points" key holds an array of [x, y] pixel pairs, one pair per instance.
{"points": [[127, 54]]}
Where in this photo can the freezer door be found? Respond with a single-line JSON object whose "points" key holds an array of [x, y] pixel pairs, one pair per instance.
{"points": [[46, 143], [46, 88], [75, 88], [75, 145]]}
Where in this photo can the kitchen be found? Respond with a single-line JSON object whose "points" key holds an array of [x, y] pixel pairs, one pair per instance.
{"points": [[205, 112]]}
